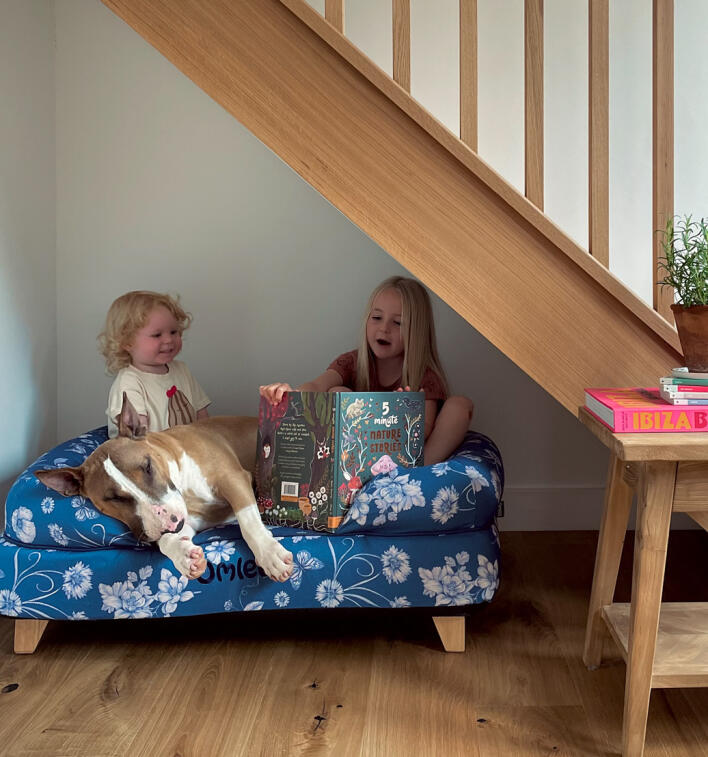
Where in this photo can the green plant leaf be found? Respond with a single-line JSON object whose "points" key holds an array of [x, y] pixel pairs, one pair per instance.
{"points": [[685, 260]]}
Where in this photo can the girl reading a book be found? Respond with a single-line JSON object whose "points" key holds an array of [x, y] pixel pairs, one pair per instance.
{"points": [[397, 351]]}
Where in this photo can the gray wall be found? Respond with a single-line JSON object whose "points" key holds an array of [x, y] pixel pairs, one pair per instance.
{"points": [[28, 373], [435, 84], [159, 188], [162, 189]]}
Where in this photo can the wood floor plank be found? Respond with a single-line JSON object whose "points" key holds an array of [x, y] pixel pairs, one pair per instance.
{"points": [[324, 688], [223, 680], [535, 731], [356, 682], [434, 689], [557, 572]]}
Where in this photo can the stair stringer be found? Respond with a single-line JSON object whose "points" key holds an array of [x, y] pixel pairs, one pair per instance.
{"points": [[521, 289]]}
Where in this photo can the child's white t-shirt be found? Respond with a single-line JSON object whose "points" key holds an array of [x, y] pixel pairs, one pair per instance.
{"points": [[168, 399]]}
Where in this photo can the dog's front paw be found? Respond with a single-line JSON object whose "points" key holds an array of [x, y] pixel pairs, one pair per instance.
{"points": [[276, 561], [191, 562], [197, 563]]}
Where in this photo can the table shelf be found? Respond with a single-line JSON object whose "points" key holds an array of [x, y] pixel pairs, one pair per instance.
{"points": [[681, 657]]}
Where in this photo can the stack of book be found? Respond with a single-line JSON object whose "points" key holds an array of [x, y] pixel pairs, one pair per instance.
{"points": [[684, 388], [643, 410]]}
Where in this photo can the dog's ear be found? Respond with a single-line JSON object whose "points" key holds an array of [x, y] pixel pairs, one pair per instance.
{"points": [[128, 421], [66, 481]]}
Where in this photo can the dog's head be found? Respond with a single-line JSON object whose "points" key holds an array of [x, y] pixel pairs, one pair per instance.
{"points": [[127, 478]]}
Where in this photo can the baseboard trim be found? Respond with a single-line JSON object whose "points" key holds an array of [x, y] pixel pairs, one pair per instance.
{"points": [[578, 508]]}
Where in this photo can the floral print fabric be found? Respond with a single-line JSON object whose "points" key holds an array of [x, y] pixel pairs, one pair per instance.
{"points": [[414, 537], [461, 493]]}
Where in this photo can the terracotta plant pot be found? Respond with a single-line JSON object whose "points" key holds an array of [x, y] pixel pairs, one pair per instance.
{"points": [[692, 327]]}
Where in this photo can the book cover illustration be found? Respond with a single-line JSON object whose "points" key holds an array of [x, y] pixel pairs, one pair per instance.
{"points": [[643, 410], [317, 449]]}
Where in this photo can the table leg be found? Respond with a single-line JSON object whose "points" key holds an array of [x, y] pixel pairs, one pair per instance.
{"points": [[615, 514], [654, 504]]}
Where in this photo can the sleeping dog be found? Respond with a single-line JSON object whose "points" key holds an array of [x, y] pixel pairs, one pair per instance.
{"points": [[168, 485]]}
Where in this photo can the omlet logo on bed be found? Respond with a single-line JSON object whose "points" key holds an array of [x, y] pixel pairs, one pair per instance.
{"points": [[230, 571]]}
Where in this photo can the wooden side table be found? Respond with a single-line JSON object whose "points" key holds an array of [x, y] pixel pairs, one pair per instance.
{"points": [[664, 645]]}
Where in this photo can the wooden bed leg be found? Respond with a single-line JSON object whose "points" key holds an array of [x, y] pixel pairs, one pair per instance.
{"points": [[451, 629], [28, 632]]}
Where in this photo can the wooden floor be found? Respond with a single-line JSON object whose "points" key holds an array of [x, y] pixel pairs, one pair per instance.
{"points": [[355, 682]]}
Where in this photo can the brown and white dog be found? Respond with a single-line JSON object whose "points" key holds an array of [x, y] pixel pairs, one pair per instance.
{"points": [[168, 485]]}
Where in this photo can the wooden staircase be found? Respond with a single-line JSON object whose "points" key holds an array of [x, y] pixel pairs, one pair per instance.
{"points": [[423, 195]]}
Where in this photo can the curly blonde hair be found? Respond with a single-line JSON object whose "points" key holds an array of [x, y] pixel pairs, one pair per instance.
{"points": [[126, 316]]}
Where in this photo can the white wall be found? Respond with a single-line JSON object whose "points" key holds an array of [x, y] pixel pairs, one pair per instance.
{"points": [[28, 374], [160, 188], [691, 69], [565, 91], [630, 144], [435, 84]]}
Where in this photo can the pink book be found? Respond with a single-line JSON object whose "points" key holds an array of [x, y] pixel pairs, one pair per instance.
{"points": [[642, 410], [701, 389]]}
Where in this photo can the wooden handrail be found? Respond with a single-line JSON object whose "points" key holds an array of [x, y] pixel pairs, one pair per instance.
{"points": [[479, 168]]}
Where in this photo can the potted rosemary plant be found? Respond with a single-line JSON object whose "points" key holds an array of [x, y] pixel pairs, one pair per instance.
{"points": [[685, 267]]}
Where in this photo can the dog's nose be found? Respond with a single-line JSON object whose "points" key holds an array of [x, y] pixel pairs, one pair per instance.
{"points": [[176, 529], [169, 521]]}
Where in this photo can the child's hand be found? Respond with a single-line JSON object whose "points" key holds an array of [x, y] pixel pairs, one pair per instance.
{"points": [[274, 392], [403, 389]]}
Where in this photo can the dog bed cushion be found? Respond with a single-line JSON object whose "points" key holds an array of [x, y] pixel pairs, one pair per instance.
{"points": [[416, 537], [461, 493]]}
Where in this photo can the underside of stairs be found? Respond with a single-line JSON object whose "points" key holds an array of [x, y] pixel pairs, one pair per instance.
{"points": [[415, 189]]}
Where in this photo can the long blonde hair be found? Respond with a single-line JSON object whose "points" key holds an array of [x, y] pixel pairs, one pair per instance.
{"points": [[420, 351], [126, 316]]}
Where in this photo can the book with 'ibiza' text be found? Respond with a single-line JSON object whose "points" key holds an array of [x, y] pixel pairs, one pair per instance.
{"points": [[643, 410]]}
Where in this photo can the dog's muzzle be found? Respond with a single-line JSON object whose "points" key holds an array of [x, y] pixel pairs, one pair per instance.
{"points": [[170, 523]]}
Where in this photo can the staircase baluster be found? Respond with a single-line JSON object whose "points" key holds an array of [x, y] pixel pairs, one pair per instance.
{"points": [[402, 43], [468, 74], [662, 141], [598, 131], [533, 98]]}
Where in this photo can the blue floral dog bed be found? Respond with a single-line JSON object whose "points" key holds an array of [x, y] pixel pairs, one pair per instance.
{"points": [[422, 537]]}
